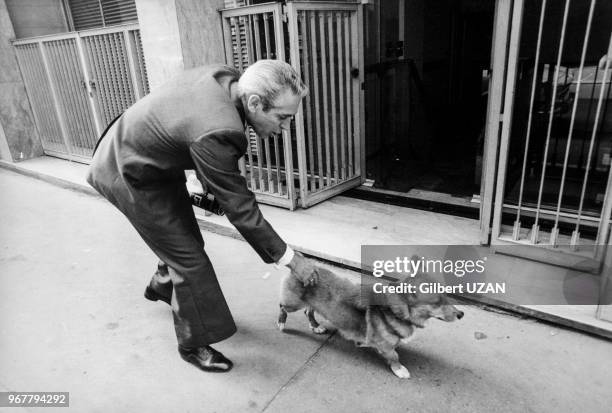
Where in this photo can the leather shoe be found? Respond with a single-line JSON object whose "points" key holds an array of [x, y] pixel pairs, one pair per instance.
{"points": [[206, 358], [152, 295]]}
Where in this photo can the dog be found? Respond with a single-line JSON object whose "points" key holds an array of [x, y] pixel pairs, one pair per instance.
{"points": [[382, 327]]}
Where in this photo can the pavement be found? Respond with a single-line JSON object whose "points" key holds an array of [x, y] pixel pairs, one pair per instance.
{"points": [[72, 318]]}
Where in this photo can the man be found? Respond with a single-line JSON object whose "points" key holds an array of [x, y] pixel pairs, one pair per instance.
{"points": [[197, 121]]}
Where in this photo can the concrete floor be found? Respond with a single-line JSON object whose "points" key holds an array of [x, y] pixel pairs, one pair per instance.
{"points": [[73, 319]]}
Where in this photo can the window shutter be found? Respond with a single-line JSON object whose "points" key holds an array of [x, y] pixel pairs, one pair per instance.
{"points": [[228, 4], [90, 14], [86, 14], [119, 11]]}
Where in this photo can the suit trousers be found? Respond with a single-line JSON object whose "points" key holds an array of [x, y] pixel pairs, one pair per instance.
{"points": [[164, 218]]}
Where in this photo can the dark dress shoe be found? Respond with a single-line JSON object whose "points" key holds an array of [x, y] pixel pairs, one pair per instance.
{"points": [[206, 358], [152, 295]]}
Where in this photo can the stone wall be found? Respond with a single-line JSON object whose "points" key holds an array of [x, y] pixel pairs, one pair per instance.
{"points": [[19, 135], [179, 34]]}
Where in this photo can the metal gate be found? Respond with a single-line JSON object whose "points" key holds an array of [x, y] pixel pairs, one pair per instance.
{"points": [[252, 33], [78, 82], [553, 198], [325, 44], [325, 138]]}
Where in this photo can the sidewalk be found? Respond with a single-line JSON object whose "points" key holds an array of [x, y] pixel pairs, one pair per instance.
{"points": [[74, 319]]}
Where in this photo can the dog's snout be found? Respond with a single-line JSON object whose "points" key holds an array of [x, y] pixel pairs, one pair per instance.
{"points": [[459, 315]]}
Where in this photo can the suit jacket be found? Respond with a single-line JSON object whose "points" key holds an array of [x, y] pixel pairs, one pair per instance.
{"points": [[190, 122]]}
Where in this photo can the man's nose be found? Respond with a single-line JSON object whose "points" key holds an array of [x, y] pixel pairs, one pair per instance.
{"points": [[285, 124]]}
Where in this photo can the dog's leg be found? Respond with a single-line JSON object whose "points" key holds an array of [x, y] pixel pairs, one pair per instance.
{"points": [[282, 318], [392, 358], [314, 325]]}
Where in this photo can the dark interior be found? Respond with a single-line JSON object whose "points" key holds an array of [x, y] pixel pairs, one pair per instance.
{"points": [[427, 68]]}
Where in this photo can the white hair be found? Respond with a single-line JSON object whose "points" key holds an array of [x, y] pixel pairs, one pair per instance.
{"points": [[268, 78]]}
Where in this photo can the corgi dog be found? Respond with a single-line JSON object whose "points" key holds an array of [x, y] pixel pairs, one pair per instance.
{"points": [[383, 326]]}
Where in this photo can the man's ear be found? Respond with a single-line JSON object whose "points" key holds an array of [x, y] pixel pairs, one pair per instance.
{"points": [[254, 103]]}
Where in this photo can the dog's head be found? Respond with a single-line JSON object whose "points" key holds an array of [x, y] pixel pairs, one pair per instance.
{"points": [[437, 307], [423, 306]]}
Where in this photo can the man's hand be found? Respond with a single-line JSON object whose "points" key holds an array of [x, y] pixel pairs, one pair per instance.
{"points": [[303, 269]]}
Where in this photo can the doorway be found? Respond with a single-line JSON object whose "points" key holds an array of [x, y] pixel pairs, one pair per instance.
{"points": [[426, 82]]}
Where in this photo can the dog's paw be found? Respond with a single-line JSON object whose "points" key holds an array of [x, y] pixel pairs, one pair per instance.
{"points": [[281, 326], [318, 330], [400, 371]]}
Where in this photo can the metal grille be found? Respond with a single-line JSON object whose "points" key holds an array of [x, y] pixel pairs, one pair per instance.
{"points": [[253, 33], [108, 62], [66, 75], [325, 49], [41, 97], [77, 83], [143, 83], [556, 180], [90, 14]]}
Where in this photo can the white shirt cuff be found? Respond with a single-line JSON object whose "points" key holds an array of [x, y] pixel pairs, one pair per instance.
{"points": [[286, 258]]}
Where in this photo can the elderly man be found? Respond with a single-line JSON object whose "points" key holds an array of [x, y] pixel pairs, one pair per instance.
{"points": [[197, 121]]}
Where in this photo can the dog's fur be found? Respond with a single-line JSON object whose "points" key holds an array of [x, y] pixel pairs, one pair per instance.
{"points": [[382, 327]]}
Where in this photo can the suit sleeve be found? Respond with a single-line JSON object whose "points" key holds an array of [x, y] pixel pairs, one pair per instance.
{"points": [[216, 156]]}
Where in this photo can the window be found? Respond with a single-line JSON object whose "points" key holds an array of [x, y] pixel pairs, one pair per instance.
{"points": [[91, 14]]}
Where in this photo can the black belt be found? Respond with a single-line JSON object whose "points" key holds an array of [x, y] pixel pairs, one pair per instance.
{"points": [[104, 133]]}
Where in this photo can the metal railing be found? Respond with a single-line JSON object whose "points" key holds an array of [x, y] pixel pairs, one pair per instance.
{"points": [[324, 41], [79, 82], [325, 49], [557, 94], [252, 33]]}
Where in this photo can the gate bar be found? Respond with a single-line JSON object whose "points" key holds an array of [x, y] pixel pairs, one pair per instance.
{"points": [[536, 227], [555, 230], [315, 70], [130, 50], [324, 66], [332, 78], [343, 53], [266, 22], [517, 223], [358, 96], [278, 165], [308, 103], [255, 23], [352, 131]]}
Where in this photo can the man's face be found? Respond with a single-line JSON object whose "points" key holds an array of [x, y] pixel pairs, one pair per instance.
{"points": [[276, 118]]}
